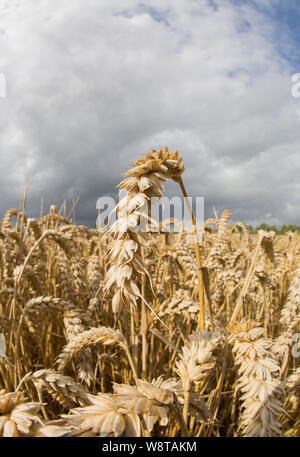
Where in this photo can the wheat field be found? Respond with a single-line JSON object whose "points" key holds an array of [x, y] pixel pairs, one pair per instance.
{"points": [[124, 333]]}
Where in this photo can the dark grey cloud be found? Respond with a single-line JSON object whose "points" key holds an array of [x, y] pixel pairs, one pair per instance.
{"points": [[92, 85]]}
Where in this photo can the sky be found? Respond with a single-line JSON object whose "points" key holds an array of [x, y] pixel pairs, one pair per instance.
{"points": [[92, 85]]}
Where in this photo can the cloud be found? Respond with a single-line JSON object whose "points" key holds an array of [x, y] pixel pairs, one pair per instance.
{"points": [[92, 85]]}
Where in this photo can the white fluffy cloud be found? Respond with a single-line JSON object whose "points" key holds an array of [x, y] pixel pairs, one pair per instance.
{"points": [[93, 84]]}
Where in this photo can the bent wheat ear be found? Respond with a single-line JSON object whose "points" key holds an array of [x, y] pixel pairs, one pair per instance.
{"points": [[102, 418], [143, 182], [63, 388], [97, 335]]}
